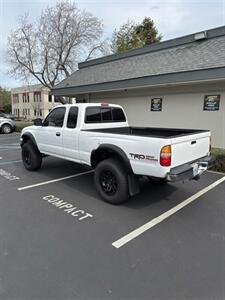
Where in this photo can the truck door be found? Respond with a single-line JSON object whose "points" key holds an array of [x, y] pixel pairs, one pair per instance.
{"points": [[49, 136], [70, 135]]}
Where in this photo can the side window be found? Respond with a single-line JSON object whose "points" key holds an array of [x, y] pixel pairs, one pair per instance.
{"points": [[118, 115], [55, 117], [72, 117], [93, 115]]}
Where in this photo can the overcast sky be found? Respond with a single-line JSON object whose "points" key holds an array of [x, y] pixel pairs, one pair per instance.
{"points": [[172, 18]]}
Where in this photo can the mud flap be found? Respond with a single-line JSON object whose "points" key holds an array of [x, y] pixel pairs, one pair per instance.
{"points": [[133, 184]]}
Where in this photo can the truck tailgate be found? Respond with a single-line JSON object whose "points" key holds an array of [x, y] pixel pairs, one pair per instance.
{"points": [[189, 148]]}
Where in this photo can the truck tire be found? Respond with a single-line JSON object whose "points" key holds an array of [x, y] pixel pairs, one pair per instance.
{"points": [[31, 157], [111, 181], [6, 128]]}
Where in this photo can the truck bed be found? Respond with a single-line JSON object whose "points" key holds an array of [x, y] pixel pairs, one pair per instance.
{"points": [[150, 131]]}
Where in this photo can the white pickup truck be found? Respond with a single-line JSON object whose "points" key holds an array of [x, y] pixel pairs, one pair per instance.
{"points": [[98, 135]]}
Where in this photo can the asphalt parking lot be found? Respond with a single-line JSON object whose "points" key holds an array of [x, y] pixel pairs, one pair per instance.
{"points": [[59, 240]]}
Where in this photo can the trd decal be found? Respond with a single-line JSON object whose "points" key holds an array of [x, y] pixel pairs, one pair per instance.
{"points": [[143, 157]]}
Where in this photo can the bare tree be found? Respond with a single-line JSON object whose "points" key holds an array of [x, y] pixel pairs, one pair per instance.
{"points": [[49, 49]]}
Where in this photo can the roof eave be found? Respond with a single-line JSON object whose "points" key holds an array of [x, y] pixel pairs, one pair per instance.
{"points": [[163, 79]]}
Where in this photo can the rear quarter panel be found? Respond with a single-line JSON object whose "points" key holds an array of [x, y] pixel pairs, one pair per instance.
{"points": [[142, 152]]}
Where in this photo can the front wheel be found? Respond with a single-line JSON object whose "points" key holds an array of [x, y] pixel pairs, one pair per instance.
{"points": [[31, 157], [111, 181]]}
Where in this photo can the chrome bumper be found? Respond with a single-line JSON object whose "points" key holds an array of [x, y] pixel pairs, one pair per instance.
{"points": [[191, 170]]}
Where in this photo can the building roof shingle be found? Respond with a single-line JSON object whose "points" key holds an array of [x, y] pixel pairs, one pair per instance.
{"points": [[181, 57]]}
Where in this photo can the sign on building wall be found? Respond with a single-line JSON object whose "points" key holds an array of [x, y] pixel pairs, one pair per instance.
{"points": [[156, 104], [211, 102]]}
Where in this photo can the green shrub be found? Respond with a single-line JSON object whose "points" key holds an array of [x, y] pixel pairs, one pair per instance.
{"points": [[21, 124]]}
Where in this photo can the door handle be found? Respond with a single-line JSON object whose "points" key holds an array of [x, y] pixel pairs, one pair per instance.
{"points": [[58, 133]]}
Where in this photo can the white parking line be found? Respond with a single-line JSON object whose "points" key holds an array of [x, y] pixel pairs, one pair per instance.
{"points": [[52, 181], [135, 233], [10, 138], [9, 149], [10, 162], [11, 144]]}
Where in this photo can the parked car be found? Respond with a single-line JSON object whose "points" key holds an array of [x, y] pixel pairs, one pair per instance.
{"points": [[6, 125], [7, 116], [98, 135]]}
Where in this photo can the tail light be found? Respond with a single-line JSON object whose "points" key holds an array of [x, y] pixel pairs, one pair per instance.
{"points": [[165, 156]]}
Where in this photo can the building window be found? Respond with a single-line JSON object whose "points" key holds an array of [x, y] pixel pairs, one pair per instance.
{"points": [[25, 97], [24, 112], [37, 112], [37, 96], [15, 98], [49, 98]]}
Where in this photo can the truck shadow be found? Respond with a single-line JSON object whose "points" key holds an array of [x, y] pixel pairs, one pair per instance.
{"points": [[150, 191]]}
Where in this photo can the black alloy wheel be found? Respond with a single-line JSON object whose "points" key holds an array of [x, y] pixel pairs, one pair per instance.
{"points": [[111, 181], [108, 182]]}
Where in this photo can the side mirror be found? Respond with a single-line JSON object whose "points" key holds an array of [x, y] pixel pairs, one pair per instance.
{"points": [[37, 122]]}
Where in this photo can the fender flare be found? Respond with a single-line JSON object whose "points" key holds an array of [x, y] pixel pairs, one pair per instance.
{"points": [[118, 151], [28, 136]]}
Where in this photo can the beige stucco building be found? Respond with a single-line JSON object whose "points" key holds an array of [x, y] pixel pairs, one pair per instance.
{"points": [[32, 101], [175, 83]]}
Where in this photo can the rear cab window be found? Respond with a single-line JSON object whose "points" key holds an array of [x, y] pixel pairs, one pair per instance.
{"points": [[100, 114]]}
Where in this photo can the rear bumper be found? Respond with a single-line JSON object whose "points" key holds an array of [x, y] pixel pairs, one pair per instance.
{"points": [[191, 170]]}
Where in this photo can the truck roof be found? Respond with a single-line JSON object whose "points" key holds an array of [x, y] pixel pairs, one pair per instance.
{"points": [[104, 104]]}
